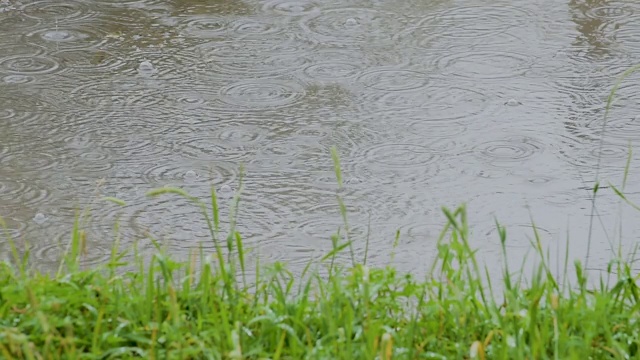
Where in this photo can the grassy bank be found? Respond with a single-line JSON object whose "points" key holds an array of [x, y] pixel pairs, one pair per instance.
{"points": [[207, 309]]}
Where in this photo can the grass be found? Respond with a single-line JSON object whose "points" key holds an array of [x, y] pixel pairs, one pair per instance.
{"points": [[208, 308]]}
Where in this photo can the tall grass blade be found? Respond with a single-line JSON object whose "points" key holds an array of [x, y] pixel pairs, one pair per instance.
{"points": [[607, 109]]}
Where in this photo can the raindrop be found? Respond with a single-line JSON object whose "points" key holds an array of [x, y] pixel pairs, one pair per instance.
{"points": [[351, 22], [40, 218], [513, 102], [226, 191], [17, 79], [146, 68], [354, 180], [191, 175]]}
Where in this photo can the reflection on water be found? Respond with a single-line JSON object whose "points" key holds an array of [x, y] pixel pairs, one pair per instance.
{"points": [[430, 103]]}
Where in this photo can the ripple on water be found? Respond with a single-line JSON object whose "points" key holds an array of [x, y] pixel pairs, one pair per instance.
{"points": [[15, 191], [623, 119], [487, 207], [579, 72], [286, 156], [585, 154], [169, 217], [382, 58], [15, 23], [23, 118], [17, 79], [333, 70], [247, 27], [619, 129], [251, 57], [63, 12], [315, 232], [394, 80], [78, 37], [313, 132], [135, 150], [452, 27], [173, 63], [83, 156], [29, 64], [509, 151], [193, 96], [239, 135], [320, 219], [89, 61], [50, 252], [627, 33], [445, 137], [187, 227], [345, 27], [352, 134], [475, 22], [483, 64], [565, 198], [609, 12], [439, 132], [394, 163], [291, 8], [204, 27], [116, 94], [198, 173], [373, 101], [223, 145], [143, 122], [32, 162], [455, 103], [13, 226], [401, 156], [260, 94], [520, 236]]}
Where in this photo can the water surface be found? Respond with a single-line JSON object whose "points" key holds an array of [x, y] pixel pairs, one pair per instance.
{"points": [[498, 104]]}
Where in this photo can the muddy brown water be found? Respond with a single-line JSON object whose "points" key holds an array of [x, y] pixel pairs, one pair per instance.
{"points": [[497, 104]]}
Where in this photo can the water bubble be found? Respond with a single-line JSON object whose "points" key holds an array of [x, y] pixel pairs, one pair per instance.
{"points": [[190, 175], [351, 22], [226, 191], [40, 218], [17, 79], [513, 102], [56, 35], [146, 68]]}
